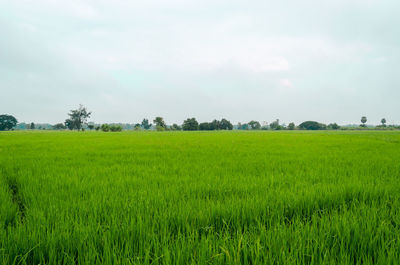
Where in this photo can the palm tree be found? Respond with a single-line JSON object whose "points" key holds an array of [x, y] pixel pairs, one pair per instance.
{"points": [[363, 121]]}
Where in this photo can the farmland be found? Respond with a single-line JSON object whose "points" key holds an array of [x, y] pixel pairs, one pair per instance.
{"points": [[200, 197]]}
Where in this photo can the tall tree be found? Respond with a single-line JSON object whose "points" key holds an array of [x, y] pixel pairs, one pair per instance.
{"points": [[77, 118], [145, 124], [255, 125], [363, 121], [225, 125], [275, 125], [190, 125], [291, 126], [214, 125], [383, 121], [159, 121], [32, 126], [7, 122]]}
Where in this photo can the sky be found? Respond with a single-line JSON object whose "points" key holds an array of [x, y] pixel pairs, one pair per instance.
{"points": [[329, 61]]}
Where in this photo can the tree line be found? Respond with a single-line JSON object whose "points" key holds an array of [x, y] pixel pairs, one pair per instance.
{"points": [[78, 120]]}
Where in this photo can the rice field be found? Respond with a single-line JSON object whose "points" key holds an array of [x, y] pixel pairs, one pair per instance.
{"points": [[200, 197]]}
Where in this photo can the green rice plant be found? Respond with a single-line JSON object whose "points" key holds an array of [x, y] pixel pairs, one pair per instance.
{"points": [[287, 197]]}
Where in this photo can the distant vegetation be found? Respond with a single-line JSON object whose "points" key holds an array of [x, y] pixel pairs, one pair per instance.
{"points": [[312, 125], [111, 128], [7, 122], [78, 120]]}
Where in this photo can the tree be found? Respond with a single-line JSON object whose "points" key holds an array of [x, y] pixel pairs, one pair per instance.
{"points": [[145, 124], [275, 125], [363, 121], [91, 126], [255, 125], [333, 126], [214, 125], [32, 126], [225, 125], [291, 126], [77, 118], [176, 127], [69, 124], [312, 125], [7, 122], [205, 126], [243, 126], [160, 123], [190, 125], [383, 121], [59, 126], [138, 125]]}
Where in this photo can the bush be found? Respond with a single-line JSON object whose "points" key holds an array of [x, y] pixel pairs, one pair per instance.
{"points": [[115, 128], [105, 127], [59, 126], [160, 128], [111, 128]]}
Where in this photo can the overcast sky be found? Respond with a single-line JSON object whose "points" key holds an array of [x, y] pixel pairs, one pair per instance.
{"points": [[330, 61]]}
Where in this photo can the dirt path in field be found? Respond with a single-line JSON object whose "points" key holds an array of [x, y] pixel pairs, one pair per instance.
{"points": [[16, 196]]}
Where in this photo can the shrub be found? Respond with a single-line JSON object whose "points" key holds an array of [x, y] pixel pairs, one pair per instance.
{"points": [[115, 128], [160, 128], [105, 127], [59, 126]]}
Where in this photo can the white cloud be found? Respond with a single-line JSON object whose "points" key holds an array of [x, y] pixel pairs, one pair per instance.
{"points": [[223, 52]]}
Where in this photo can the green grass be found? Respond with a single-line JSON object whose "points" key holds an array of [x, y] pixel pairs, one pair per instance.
{"points": [[200, 198]]}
